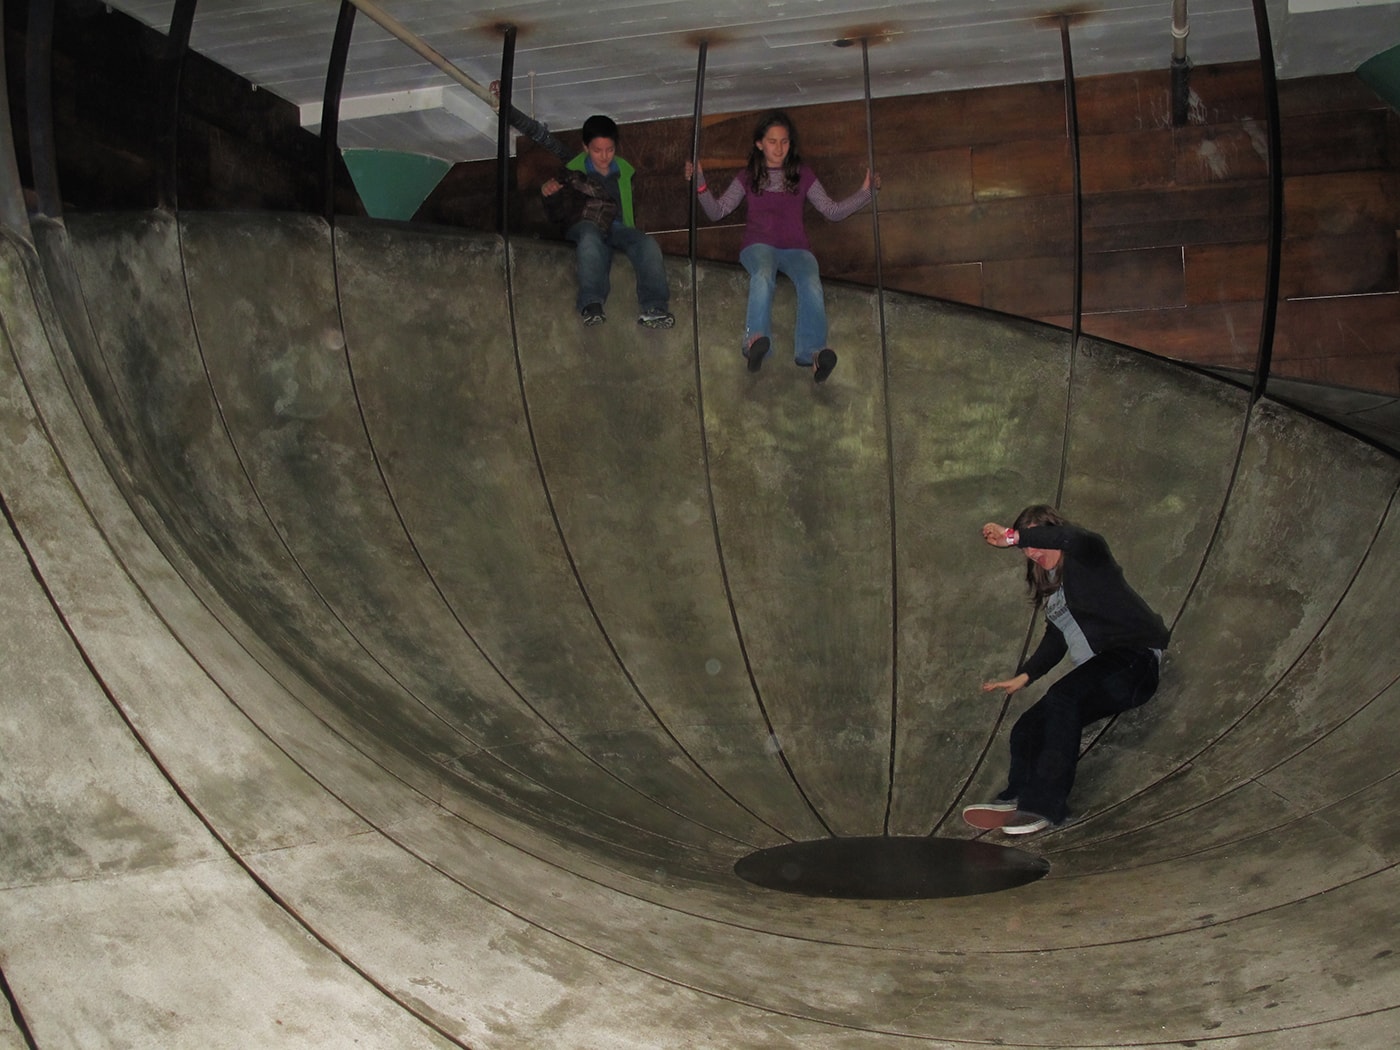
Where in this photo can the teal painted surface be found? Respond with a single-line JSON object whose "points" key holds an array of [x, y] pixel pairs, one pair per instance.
{"points": [[1381, 73], [393, 185]]}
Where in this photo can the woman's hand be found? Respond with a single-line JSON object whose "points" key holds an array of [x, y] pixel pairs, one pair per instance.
{"points": [[690, 171], [1009, 686], [995, 534], [869, 178], [550, 188]]}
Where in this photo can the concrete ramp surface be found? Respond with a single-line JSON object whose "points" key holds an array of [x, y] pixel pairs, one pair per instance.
{"points": [[392, 661]]}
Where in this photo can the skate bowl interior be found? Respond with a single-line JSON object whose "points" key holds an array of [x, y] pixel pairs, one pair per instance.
{"points": [[392, 661]]}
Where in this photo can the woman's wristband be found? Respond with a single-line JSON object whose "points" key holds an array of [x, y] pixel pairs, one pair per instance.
{"points": [[1012, 537], [701, 188]]}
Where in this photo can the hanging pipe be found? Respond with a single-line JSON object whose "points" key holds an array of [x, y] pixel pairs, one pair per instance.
{"points": [[1181, 64], [395, 28]]}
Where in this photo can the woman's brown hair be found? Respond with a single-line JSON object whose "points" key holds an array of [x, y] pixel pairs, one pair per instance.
{"points": [[792, 163], [1040, 582]]}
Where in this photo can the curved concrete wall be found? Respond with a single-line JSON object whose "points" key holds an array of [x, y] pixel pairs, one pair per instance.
{"points": [[386, 664]]}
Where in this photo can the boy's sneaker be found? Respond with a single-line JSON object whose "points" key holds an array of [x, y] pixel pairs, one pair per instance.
{"points": [[592, 314], [756, 352], [657, 319], [988, 816], [1024, 822]]}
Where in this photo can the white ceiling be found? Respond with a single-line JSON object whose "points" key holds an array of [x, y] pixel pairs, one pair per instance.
{"points": [[637, 59]]}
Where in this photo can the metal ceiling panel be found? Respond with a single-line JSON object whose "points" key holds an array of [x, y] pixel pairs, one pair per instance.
{"points": [[636, 59]]}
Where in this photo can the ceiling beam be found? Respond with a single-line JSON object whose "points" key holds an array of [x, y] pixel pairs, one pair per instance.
{"points": [[390, 102]]}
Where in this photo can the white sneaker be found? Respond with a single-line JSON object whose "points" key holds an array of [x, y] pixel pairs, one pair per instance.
{"points": [[1023, 822], [988, 815], [657, 319]]}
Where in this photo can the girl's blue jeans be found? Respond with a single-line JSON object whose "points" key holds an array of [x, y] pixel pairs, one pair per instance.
{"points": [[764, 263]]}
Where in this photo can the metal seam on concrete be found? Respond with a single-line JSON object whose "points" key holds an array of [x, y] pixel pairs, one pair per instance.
{"points": [[323, 579]]}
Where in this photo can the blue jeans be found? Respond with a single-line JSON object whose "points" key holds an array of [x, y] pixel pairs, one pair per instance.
{"points": [[595, 254], [1045, 740], [764, 263]]}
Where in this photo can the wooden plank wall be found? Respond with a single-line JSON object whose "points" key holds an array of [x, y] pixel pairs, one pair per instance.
{"points": [[239, 148], [977, 207]]}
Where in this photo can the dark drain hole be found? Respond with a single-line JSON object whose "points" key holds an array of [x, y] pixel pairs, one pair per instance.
{"points": [[881, 867]]}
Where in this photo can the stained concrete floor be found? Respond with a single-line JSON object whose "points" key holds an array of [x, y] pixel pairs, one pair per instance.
{"points": [[387, 667]]}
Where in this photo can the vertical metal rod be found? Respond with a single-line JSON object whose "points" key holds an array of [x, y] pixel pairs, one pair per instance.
{"points": [[503, 134], [1264, 361], [1181, 29], [1181, 65], [889, 440], [1072, 129], [1077, 304], [705, 456], [177, 46], [330, 106], [870, 165], [13, 210], [38, 91], [695, 153]]}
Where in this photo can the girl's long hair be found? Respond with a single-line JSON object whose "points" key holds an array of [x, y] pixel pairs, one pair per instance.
{"points": [[1039, 583], [792, 163]]}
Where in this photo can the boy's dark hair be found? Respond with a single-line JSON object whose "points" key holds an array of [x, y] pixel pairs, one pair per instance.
{"points": [[599, 127]]}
